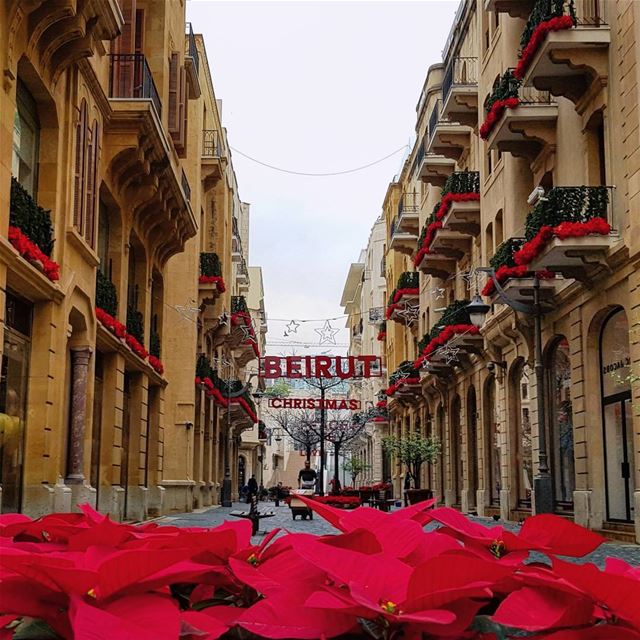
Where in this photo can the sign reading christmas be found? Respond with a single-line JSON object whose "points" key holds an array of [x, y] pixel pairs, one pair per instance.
{"points": [[343, 367], [339, 404]]}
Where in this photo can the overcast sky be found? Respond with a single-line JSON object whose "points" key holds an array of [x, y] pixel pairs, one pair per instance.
{"points": [[316, 87]]}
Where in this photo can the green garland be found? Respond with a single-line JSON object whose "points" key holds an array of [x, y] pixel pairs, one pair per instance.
{"points": [[210, 264], [455, 313], [567, 204], [203, 367], [31, 219], [503, 257], [239, 304], [542, 11], [135, 324], [507, 87], [462, 182], [405, 370], [407, 280], [106, 294], [154, 344]]}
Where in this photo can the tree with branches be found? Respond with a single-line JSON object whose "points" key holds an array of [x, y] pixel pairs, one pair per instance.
{"points": [[299, 426], [355, 466], [413, 450]]}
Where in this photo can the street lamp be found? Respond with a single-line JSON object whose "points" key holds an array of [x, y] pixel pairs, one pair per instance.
{"points": [[542, 483]]}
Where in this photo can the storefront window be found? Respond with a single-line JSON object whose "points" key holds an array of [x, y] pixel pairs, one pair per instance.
{"points": [[493, 434], [561, 445], [524, 463], [13, 400], [615, 370], [26, 136]]}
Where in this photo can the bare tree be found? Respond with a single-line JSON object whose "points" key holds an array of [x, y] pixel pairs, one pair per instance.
{"points": [[299, 426]]}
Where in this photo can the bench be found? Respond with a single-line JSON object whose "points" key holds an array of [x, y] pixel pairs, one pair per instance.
{"points": [[382, 502], [253, 515]]}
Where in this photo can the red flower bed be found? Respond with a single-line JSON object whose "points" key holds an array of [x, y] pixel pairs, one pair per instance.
{"points": [[448, 198], [394, 387], [136, 347], [558, 23], [382, 335], [156, 364], [505, 273], [83, 576], [565, 230], [220, 400], [218, 280], [115, 326], [495, 113], [344, 502], [31, 251]]}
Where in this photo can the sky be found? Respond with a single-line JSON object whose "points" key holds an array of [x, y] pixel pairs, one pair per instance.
{"points": [[316, 87]]}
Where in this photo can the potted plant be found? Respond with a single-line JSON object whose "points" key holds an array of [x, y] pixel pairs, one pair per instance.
{"points": [[413, 451]]}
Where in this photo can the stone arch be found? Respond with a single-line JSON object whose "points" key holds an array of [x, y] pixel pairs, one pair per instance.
{"points": [[519, 433]]}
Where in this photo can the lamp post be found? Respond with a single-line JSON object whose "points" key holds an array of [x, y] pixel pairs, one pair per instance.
{"points": [[542, 482]]}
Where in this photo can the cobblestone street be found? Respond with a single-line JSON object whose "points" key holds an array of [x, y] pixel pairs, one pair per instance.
{"points": [[216, 515]]}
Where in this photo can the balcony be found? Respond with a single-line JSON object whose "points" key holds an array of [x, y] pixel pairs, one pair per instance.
{"points": [[436, 265], [573, 61], [213, 160], [404, 383], [433, 168], [460, 91], [141, 157], [409, 213], [406, 294], [515, 8], [447, 138], [527, 129], [569, 232], [242, 277], [460, 204], [402, 241], [210, 283], [192, 63], [236, 242]]}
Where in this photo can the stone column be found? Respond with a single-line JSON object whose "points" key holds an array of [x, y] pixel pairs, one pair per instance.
{"points": [[78, 416]]}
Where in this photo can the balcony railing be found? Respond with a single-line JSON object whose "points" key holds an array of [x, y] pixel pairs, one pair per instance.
{"points": [[510, 87], [434, 117], [186, 189], [408, 204], [461, 71], [130, 78], [192, 49], [211, 144], [239, 304], [210, 264]]}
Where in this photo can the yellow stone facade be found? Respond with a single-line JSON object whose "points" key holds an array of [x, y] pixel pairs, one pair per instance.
{"points": [[575, 126], [109, 121]]}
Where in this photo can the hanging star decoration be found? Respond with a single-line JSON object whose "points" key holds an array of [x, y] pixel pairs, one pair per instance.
{"points": [[471, 278], [248, 333], [438, 292], [450, 354], [410, 313], [186, 311], [292, 327], [327, 333], [223, 320]]}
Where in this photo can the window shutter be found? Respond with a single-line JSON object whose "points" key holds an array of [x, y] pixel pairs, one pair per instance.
{"points": [[80, 165], [126, 42], [92, 169], [174, 88], [180, 139]]}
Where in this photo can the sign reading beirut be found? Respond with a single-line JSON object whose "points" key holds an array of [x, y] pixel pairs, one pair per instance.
{"points": [[343, 367], [339, 404]]}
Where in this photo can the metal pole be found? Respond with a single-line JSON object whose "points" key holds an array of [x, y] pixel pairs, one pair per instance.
{"points": [[322, 418], [543, 486]]}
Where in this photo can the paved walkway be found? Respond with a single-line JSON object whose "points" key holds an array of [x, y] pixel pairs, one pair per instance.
{"points": [[214, 516]]}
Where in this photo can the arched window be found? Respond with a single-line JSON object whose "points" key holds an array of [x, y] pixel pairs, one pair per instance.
{"points": [[617, 422], [561, 426], [85, 182], [492, 431]]}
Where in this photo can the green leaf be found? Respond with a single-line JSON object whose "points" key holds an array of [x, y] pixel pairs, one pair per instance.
{"points": [[34, 629]]}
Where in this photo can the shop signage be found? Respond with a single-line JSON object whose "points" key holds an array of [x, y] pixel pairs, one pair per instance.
{"points": [[344, 367], [338, 404]]}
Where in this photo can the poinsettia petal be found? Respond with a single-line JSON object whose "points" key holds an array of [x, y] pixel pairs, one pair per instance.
{"points": [[559, 535], [208, 624]]}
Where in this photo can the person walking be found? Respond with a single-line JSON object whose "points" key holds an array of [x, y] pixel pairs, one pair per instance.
{"points": [[307, 477], [407, 486], [253, 488]]}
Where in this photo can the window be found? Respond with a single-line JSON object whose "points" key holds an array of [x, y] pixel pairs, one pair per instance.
{"points": [[26, 139], [178, 104], [86, 167]]}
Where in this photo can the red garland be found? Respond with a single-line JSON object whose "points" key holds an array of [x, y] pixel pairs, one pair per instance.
{"points": [[241, 317], [445, 203], [32, 252], [405, 292], [382, 335], [495, 113], [442, 338], [505, 273], [156, 364], [219, 399], [394, 387], [136, 347], [535, 246], [558, 23], [115, 326], [382, 404], [218, 280]]}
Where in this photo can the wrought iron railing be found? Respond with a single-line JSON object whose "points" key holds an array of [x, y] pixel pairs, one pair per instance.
{"points": [[461, 71], [210, 264], [434, 117], [211, 144], [408, 203], [192, 49], [130, 78], [510, 87]]}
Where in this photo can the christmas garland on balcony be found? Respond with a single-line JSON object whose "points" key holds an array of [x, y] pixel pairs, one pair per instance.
{"points": [[382, 331], [566, 212], [120, 331], [211, 271], [408, 285], [504, 96], [32, 253], [545, 17], [244, 318], [505, 267], [406, 373]]}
